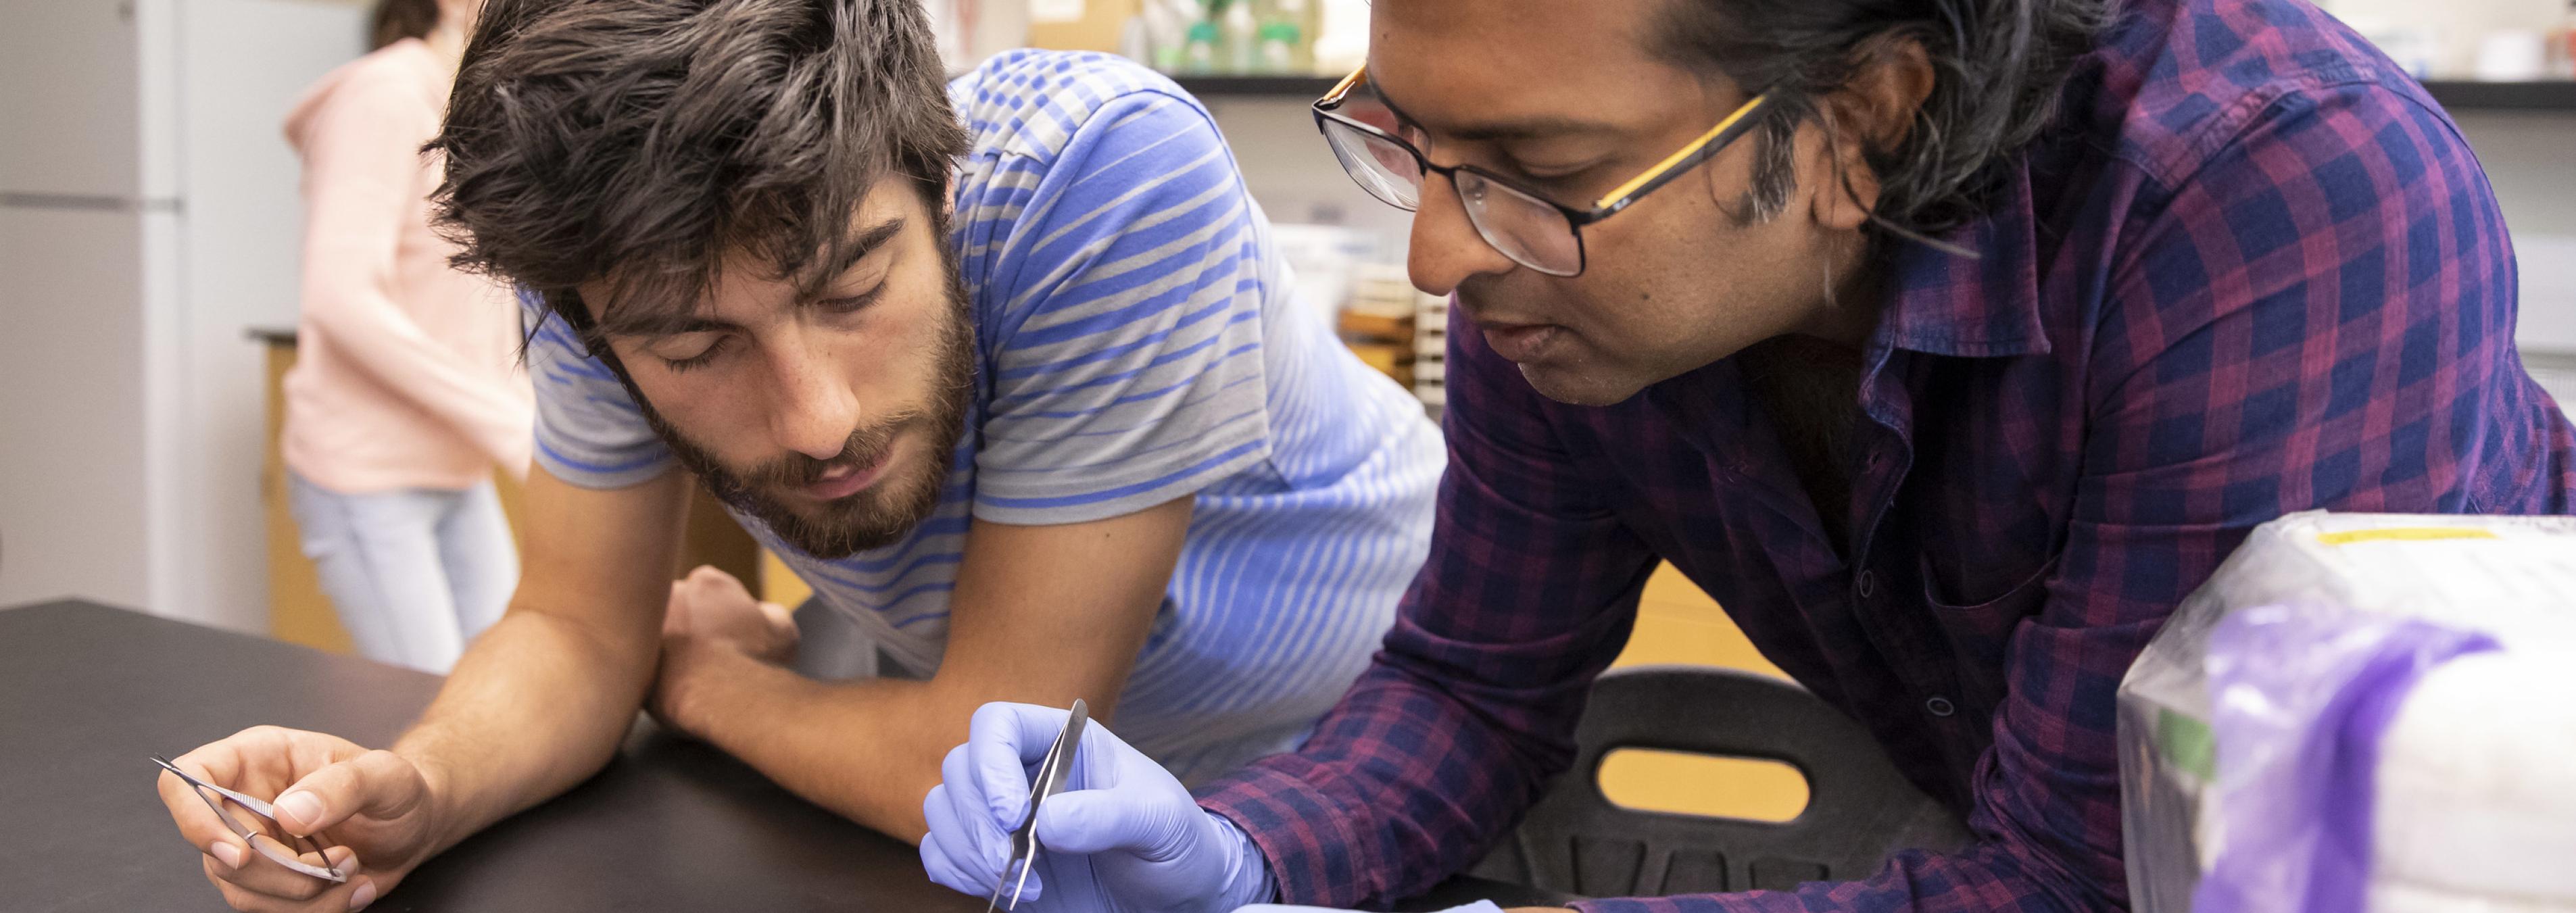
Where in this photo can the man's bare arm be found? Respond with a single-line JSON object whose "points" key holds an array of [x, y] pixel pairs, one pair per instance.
{"points": [[1040, 615], [542, 699]]}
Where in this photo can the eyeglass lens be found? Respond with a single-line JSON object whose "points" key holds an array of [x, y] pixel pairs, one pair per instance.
{"points": [[1524, 228]]}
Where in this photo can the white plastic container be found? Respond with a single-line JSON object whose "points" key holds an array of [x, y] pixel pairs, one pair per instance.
{"points": [[2473, 795]]}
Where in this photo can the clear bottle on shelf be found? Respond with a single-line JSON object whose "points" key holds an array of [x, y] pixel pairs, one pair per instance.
{"points": [[1199, 48], [1284, 48], [1242, 31], [1167, 33]]}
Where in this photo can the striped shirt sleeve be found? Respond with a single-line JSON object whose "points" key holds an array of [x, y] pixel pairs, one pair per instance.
{"points": [[589, 432], [1126, 358]]}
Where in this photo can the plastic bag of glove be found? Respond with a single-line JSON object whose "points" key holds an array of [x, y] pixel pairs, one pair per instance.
{"points": [[2344, 688]]}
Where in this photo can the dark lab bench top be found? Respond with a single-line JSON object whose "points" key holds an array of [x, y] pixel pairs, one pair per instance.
{"points": [[88, 693]]}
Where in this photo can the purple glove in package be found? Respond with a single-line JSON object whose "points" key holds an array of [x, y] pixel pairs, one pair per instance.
{"points": [[2361, 712]]}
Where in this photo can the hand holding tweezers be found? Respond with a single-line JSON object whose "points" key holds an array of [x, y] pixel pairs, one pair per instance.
{"points": [[267, 846], [1052, 771]]}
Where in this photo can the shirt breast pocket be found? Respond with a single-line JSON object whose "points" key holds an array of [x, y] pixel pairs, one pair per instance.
{"points": [[1980, 632]]}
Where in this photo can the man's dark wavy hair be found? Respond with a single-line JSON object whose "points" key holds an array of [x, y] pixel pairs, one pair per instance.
{"points": [[2000, 66], [643, 142]]}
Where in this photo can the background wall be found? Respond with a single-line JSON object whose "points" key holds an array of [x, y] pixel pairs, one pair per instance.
{"points": [[2456, 27], [72, 209], [148, 218]]}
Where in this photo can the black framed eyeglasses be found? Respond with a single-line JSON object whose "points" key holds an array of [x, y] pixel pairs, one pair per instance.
{"points": [[1534, 231]]}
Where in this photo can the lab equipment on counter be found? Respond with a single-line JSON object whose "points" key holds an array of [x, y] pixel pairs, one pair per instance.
{"points": [[2513, 55], [1226, 37]]}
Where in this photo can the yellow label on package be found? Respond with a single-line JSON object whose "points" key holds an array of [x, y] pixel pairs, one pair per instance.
{"points": [[2404, 534]]}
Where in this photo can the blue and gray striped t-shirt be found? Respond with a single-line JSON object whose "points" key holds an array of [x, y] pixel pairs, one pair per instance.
{"points": [[1140, 342]]}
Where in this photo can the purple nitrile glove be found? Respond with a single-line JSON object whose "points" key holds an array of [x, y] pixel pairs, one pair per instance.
{"points": [[1481, 906], [1124, 837]]}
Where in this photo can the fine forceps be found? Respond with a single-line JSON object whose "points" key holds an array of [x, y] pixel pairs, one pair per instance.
{"points": [[280, 854], [1052, 771]]}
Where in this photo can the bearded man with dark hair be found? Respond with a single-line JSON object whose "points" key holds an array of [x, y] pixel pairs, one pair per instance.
{"points": [[1002, 367]]}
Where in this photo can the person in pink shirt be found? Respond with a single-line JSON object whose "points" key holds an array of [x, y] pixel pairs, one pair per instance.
{"points": [[407, 388]]}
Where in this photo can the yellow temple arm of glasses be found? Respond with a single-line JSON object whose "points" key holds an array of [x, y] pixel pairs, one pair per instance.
{"points": [[1684, 154], [1669, 163], [1344, 87]]}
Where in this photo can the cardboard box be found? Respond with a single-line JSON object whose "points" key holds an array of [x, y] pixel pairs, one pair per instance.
{"points": [[1080, 25]]}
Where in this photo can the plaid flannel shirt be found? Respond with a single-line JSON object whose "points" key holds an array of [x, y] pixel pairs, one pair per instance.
{"points": [[2253, 270]]}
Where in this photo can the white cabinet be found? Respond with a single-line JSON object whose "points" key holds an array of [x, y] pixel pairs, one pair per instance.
{"points": [[148, 218], [69, 121], [71, 404]]}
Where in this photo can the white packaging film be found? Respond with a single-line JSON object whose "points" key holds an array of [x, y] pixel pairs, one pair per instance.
{"points": [[2473, 795]]}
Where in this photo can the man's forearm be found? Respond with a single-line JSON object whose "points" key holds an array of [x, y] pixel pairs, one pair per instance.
{"points": [[538, 703], [868, 750]]}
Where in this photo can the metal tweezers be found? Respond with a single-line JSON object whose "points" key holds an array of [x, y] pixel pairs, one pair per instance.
{"points": [[1050, 780], [267, 846]]}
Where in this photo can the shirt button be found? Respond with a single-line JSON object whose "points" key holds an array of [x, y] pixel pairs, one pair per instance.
{"points": [[1940, 706], [1868, 584]]}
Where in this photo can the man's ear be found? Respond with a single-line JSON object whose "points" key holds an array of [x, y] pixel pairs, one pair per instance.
{"points": [[1875, 110]]}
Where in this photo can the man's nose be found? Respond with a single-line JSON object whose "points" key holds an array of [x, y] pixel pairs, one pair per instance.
{"points": [[814, 410], [1446, 249]]}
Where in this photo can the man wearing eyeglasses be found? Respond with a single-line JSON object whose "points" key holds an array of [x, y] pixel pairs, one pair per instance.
{"points": [[1947, 343]]}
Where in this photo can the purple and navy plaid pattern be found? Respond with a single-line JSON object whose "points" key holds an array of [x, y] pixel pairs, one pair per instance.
{"points": [[2256, 270]]}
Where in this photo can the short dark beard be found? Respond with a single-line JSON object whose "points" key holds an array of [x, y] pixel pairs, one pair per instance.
{"points": [[877, 517]]}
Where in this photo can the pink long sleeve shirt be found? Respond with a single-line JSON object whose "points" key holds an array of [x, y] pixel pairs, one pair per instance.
{"points": [[407, 374]]}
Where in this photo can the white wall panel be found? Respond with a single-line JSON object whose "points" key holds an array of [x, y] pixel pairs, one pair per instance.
{"points": [[67, 98], [72, 479]]}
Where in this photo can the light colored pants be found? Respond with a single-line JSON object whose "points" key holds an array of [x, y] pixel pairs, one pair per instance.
{"points": [[415, 574]]}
